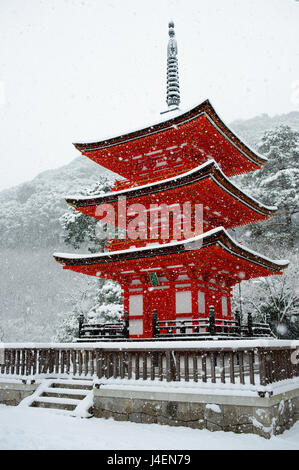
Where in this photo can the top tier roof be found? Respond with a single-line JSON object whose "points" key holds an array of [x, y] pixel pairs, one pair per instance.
{"points": [[174, 146]]}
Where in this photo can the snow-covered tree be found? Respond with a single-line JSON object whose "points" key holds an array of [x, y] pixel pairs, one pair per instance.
{"points": [[80, 229], [274, 298], [109, 303], [101, 301], [276, 184], [29, 212]]}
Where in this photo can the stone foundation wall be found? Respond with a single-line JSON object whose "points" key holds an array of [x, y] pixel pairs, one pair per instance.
{"points": [[12, 393], [265, 416], [262, 416]]}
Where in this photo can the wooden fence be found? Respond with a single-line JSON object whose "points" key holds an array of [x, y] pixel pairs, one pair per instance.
{"points": [[239, 364]]}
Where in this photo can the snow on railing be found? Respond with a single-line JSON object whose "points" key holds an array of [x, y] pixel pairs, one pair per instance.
{"points": [[254, 362]]}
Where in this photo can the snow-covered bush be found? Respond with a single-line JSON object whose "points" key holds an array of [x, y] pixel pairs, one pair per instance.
{"points": [[100, 302], [274, 298]]}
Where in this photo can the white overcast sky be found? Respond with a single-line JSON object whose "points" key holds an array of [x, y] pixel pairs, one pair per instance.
{"points": [[78, 70]]}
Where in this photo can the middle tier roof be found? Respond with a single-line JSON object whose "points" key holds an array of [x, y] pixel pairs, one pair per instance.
{"points": [[224, 204]]}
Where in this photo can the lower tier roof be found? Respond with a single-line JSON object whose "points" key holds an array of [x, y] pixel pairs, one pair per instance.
{"points": [[211, 254]]}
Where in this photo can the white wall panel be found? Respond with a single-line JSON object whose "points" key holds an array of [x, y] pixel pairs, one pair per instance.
{"points": [[183, 302]]}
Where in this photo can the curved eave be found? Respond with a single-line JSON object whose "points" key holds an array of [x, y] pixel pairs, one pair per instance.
{"points": [[218, 236], [209, 169], [204, 108]]}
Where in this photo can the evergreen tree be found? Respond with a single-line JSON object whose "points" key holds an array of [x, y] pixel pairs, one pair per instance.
{"points": [[274, 299], [101, 301], [108, 306], [79, 229], [276, 184]]}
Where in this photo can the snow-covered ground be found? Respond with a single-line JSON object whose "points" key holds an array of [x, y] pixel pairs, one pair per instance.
{"points": [[30, 428]]}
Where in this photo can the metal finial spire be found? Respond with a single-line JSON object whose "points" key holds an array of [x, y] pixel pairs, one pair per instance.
{"points": [[173, 87]]}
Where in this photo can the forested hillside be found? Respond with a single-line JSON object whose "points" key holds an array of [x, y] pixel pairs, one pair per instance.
{"points": [[29, 212], [251, 130]]}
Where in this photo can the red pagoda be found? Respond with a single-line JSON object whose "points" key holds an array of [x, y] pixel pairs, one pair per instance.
{"points": [[177, 262]]}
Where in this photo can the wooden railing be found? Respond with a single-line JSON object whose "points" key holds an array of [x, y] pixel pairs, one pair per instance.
{"points": [[179, 328], [210, 326], [181, 362], [104, 330], [197, 327]]}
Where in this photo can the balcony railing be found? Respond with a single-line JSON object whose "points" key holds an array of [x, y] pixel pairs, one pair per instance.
{"points": [[237, 362], [115, 330], [179, 328], [210, 326]]}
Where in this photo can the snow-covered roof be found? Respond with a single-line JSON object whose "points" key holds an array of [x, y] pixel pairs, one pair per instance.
{"points": [[181, 119], [218, 236], [209, 169]]}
